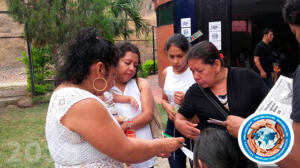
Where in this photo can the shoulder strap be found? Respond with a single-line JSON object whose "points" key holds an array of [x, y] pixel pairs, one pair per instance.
{"points": [[219, 108]]}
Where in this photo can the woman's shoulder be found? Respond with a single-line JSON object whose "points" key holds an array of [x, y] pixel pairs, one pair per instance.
{"points": [[246, 77], [166, 70], [194, 89], [243, 72], [143, 83], [71, 95], [72, 91]]}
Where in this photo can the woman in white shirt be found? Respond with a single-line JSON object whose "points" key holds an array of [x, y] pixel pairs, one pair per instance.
{"points": [[128, 84], [176, 78], [80, 131]]}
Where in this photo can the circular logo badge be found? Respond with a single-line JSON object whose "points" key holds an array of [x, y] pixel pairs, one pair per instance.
{"points": [[266, 137]]}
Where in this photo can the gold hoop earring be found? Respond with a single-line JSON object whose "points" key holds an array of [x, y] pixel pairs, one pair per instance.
{"points": [[100, 90]]}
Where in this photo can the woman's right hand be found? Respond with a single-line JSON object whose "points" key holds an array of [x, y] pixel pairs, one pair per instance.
{"points": [[170, 145], [186, 128]]}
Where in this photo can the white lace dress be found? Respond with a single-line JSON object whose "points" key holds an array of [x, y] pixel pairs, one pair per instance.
{"points": [[66, 147]]}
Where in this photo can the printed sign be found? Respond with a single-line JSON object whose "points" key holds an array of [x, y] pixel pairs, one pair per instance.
{"points": [[266, 137], [186, 31], [185, 22], [215, 35]]}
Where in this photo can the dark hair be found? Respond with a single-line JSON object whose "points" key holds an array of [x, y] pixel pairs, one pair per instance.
{"points": [[216, 148], [87, 49], [291, 12], [266, 31], [206, 51], [126, 46], [179, 41]]}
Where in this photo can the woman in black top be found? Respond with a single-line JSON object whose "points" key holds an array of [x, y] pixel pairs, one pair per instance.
{"points": [[238, 91]]}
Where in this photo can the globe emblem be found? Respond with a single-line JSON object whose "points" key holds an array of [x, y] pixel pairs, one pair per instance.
{"points": [[215, 35], [265, 137]]}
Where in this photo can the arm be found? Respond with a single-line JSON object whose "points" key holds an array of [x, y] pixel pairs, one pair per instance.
{"points": [[86, 115], [259, 67], [185, 112], [147, 103], [233, 124], [292, 160], [165, 102], [125, 99], [186, 128]]}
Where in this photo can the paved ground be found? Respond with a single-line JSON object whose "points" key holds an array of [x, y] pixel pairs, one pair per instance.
{"points": [[156, 90]]}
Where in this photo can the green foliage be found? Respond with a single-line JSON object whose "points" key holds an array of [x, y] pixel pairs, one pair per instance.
{"points": [[149, 38], [54, 22], [143, 74], [148, 67], [41, 59], [39, 99], [125, 11]]}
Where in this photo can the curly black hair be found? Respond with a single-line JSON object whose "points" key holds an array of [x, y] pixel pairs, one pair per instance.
{"points": [[291, 12], [126, 46], [87, 49]]}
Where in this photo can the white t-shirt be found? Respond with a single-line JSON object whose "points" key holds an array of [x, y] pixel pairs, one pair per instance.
{"points": [[177, 82]]}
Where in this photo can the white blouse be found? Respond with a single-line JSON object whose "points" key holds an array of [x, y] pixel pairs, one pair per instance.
{"points": [[66, 147]]}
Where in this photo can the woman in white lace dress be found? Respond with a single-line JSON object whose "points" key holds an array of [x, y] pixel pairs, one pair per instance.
{"points": [[80, 131]]}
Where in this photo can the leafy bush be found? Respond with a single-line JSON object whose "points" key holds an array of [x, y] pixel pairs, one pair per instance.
{"points": [[41, 59], [148, 69], [143, 74]]}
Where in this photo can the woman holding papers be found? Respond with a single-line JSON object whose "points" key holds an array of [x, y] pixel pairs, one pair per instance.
{"points": [[219, 91]]}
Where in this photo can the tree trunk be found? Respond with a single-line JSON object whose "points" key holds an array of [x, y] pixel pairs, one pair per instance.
{"points": [[55, 56]]}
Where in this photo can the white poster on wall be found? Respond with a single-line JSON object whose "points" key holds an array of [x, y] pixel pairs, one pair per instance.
{"points": [[215, 35], [186, 31], [185, 22], [185, 26]]}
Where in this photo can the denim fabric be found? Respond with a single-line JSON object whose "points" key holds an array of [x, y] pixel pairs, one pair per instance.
{"points": [[179, 160]]}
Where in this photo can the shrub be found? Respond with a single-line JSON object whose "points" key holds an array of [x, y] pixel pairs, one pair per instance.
{"points": [[148, 69], [41, 59]]}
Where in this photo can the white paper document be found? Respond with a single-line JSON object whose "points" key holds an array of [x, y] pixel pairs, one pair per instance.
{"points": [[188, 153], [279, 99]]}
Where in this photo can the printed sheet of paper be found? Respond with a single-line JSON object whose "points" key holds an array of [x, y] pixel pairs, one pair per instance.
{"points": [[279, 99], [188, 152]]}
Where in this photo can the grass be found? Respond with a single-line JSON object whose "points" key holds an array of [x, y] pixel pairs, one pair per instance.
{"points": [[23, 143], [22, 137]]}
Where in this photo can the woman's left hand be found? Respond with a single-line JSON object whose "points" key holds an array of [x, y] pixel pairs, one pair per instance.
{"points": [[233, 124], [178, 97]]}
